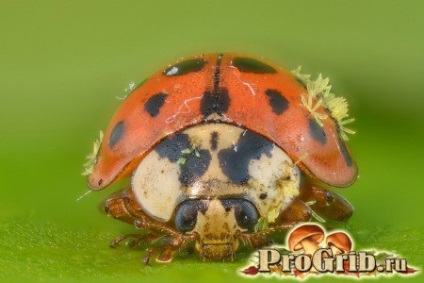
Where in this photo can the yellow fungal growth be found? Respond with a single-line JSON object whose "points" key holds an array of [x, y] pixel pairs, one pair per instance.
{"points": [[338, 107], [92, 157], [313, 108], [319, 94], [273, 214], [344, 130], [288, 189], [319, 86], [302, 77]]}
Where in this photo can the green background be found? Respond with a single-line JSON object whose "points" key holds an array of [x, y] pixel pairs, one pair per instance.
{"points": [[62, 64]]}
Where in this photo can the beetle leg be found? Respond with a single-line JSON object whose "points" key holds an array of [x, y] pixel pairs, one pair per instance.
{"points": [[152, 252], [146, 239], [296, 212], [166, 255], [156, 227], [167, 251], [254, 240], [115, 206], [171, 245], [260, 238], [327, 204], [278, 228], [123, 206]]}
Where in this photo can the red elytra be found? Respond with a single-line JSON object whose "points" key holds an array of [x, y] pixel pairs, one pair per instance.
{"points": [[229, 88]]}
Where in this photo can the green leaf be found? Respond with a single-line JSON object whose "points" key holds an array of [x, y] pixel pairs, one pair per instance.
{"points": [[33, 252]]}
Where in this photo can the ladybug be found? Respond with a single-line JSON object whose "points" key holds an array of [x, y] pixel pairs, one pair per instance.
{"points": [[224, 149]]}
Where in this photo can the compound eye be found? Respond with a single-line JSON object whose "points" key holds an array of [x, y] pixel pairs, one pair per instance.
{"points": [[245, 212], [186, 215]]}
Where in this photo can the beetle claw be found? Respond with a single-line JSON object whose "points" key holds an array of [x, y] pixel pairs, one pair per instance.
{"points": [[146, 260], [151, 252], [134, 242], [166, 255]]}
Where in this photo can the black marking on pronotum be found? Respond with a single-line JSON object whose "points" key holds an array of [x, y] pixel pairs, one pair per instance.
{"points": [[116, 133], [215, 102], [153, 105], [185, 67], [317, 132], [214, 140], [194, 167], [345, 152], [277, 101], [172, 146], [234, 162], [250, 65]]}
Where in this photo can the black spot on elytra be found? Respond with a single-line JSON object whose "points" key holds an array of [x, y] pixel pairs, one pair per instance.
{"points": [[263, 196], [194, 167], [216, 76], [116, 134], [317, 132], [185, 67], [153, 105], [277, 101], [215, 102], [234, 162], [186, 214], [250, 65], [214, 140], [245, 212], [345, 152]]}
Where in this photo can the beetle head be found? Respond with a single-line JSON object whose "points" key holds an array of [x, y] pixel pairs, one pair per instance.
{"points": [[216, 222]]}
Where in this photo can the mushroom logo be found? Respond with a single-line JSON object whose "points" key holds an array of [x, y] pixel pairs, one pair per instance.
{"points": [[308, 238], [312, 252], [339, 243]]}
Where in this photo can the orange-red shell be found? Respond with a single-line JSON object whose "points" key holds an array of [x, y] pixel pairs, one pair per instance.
{"points": [[231, 88]]}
